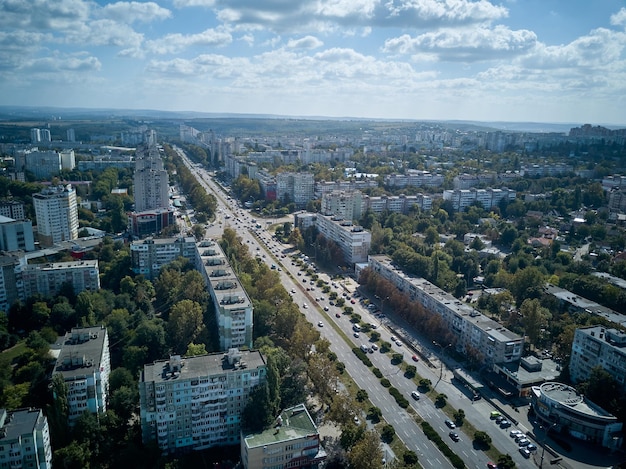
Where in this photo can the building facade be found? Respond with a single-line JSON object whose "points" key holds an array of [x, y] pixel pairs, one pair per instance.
{"points": [[24, 439], [353, 240], [43, 164], [12, 209], [293, 443], [298, 188], [196, 403], [150, 222], [150, 255], [56, 212], [151, 182], [602, 347], [47, 279], [560, 406], [474, 332], [16, 235], [84, 363], [233, 309], [8, 282], [488, 198]]}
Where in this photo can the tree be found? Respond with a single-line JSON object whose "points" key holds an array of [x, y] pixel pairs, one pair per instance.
{"points": [[361, 395], [534, 318], [257, 414], [184, 325], [374, 414], [366, 452], [387, 433], [195, 349], [74, 456]]}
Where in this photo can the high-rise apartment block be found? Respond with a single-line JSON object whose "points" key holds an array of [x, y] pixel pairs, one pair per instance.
{"points": [[197, 402], [9, 292], [414, 177], [151, 181], [24, 439], [43, 164], [353, 240], [57, 214], [233, 308], [294, 442], [12, 209], [150, 255], [85, 364], [473, 331], [16, 235], [47, 279], [602, 347], [295, 187]]}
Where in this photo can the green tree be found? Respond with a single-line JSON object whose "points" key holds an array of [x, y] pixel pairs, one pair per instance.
{"points": [[74, 456], [366, 452], [184, 325], [195, 349], [257, 414]]}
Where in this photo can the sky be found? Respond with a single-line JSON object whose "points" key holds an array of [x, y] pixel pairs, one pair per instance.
{"points": [[561, 61]]}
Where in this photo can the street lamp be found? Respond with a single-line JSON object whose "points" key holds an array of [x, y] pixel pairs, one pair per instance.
{"points": [[545, 438], [443, 348]]}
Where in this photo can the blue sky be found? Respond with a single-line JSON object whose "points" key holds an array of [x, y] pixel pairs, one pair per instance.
{"points": [[513, 60]]}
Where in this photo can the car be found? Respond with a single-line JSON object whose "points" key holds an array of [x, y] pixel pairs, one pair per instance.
{"points": [[524, 452], [337, 315], [415, 395], [299, 273], [492, 465], [326, 308], [450, 423], [531, 447], [398, 343], [505, 424], [373, 326], [454, 436], [514, 433], [320, 324], [293, 290], [305, 306], [356, 334], [374, 347], [393, 338], [494, 414], [519, 437], [414, 358], [523, 442], [352, 301], [303, 280], [499, 419], [331, 302]]}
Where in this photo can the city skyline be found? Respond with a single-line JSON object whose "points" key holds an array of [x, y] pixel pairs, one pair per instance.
{"points": [[533, 60]]}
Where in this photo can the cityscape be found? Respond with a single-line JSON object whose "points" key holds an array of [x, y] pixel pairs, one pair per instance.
{"points": [[271, 292]]}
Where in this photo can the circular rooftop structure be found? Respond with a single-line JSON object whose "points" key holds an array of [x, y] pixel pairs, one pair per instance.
{"points": [[561, 393]]}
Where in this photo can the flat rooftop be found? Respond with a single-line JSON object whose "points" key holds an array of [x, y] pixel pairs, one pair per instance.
{"points": [[293, 423], [80, 352], [18, 423]]}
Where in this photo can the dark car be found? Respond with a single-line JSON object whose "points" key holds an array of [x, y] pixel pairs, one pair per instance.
{"points": [[454, 436]]}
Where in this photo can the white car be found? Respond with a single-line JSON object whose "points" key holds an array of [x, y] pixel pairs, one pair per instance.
{"points": [[305, 306], [320, 324]]}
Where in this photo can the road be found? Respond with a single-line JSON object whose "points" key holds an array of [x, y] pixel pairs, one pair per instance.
{"points": [[338, 330]]}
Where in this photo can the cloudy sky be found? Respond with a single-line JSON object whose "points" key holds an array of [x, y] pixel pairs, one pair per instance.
{"points": [[512, 60]]}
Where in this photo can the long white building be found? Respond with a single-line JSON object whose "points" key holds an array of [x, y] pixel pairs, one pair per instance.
{"points": [[233, 308], [196, 403], [488, 198], [353, 204], [150, 255], [473, 331], [24, 439], [56, 212], [84, 363], [47, 279]]}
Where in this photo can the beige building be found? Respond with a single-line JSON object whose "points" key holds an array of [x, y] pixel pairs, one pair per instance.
{"points": [[293, 442], [353, 240], [47, 279], [149, 256], [56, 212]]}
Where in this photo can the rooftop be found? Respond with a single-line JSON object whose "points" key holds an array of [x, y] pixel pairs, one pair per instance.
{"points": [[17, 423], [293, 423], [569, 397], [80, 352]]}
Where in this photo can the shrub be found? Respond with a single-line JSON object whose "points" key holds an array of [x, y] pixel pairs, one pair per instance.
{"points": [[377, 373], [387, 433], [385, 382]]}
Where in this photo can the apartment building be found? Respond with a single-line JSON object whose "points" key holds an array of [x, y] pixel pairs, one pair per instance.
{"points": [[16, 235], [151, 181], [350, 185], [353, 240], [12, 209], [473, 330], [488, 198], [347, 205], [267, 183], [295, 187], [8, 282], [598, 346], [197, 402], [414, 177], [562, 408], [352, 205], [43, 165], [150, 222], [150, 255], [467, 181], [47, 279], [56, 212], [573, 303], [233, 308], [24, 439], [294, 442], [85, 364], [555, 169]]}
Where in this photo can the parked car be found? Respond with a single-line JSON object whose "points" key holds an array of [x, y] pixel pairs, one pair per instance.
{"points": [[524, 452], [374, 347], [320, 324], [414, 358], [505, 424], [514, 433], [523, 442], [531, 447]]}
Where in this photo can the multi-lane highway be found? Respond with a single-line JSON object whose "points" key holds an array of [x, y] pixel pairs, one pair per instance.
{"points": [[317, 307]]}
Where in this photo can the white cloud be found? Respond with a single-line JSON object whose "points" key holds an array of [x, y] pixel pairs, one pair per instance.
{"points": [[104, 33], [173, 43], [129, 12], [619, 18], [193, 3], [307, 42], [42, 14], [466, 45]]}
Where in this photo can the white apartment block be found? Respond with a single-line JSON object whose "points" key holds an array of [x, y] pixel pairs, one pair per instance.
{"points": [[350, 185], [463, 198], [295, 187], [473, 330], [85, 364], [150, 255], [43, 164], [555, 169], [617, 200], [598, 346], [68, 160], [151, 181], [347, 205], [12, 209], [467, 181], [614, 182], [16, 235], [196, 403], [294, 442], [47, 279], [233, 308], [56, 212], [352, 205], [24, 439], [414, 177], [353, 240]]}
